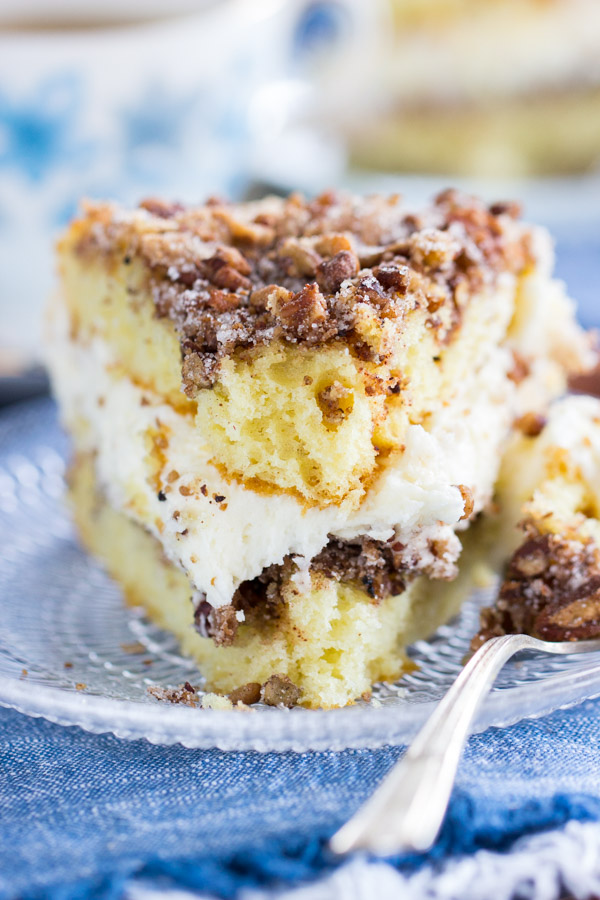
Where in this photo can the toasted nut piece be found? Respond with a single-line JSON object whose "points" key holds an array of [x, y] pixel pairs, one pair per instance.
{"points": [[432, 248], [246, 693], [280, 690], [304, 258], [332, 272], [330, 244], [298, 313]]}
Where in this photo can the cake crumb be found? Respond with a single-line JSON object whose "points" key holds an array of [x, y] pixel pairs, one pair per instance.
{"points": [[247, 694], [280, 690], [216, 701], [185, 694], [133, 647], [468, 500]]}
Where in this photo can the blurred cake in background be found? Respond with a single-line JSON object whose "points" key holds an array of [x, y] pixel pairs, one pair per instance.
{"points": [[501, 88]]}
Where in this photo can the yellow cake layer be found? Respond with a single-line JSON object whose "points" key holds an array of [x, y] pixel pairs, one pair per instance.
{"points": [[264, 417], [333, 642], [553, 478], [547, 536], [267, 418]]}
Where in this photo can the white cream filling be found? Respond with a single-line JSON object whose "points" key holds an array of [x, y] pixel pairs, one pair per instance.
{"points": [[221, 543], [574, 425]]}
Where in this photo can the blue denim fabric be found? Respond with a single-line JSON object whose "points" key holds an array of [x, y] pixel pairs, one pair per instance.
{"points": [[578, 264], [79, 813]]}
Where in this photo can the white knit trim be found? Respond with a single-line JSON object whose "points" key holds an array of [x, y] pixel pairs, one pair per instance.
{"points": [[542, 867]]}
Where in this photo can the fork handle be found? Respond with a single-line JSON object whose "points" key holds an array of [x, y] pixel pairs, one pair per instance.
{"points": [[406, 811]]}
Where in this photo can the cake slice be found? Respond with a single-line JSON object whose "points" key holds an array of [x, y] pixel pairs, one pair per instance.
{"points": [[549, 493], [285, 413]]}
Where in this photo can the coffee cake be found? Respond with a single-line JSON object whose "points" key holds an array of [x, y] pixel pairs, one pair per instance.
{"points": [[286, 413]]}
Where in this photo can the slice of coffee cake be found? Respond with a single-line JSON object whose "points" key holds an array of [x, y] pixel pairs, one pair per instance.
{"points": [[550, 486], [284, 413]]}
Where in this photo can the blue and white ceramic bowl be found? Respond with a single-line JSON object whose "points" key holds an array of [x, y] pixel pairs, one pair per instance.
{"points": [[120, 110], [126, 98]]}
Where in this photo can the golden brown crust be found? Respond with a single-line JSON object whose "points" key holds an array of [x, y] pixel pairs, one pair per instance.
{"points": [[336, 268]]}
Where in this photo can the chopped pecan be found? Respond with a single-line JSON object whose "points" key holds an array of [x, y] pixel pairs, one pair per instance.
{"points": [[301, 312], [370, 288], [392, 277], [332, 272], [303, 257], [224, 275], [219, 623], [531, 558], [222, 301], [259, 298], [161, 208], [281, 691], [246, 694], [330, 244]]}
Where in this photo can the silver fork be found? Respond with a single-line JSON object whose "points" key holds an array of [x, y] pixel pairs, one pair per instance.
{"points": [[406, 811]]}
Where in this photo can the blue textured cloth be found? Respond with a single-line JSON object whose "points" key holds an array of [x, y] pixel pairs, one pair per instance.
{"points": [[578, 264], [80, 813]]}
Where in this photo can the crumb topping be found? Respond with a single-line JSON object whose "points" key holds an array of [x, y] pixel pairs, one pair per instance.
{"points": [[185, 694], [261, 596], [232, 276], [382, 569], [248, 694], [280, 690], [551, 590], [378, 568]]}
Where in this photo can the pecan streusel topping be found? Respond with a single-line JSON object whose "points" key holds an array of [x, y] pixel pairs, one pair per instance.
{"points": [[551, 591], [380, 568], [335, 268]]}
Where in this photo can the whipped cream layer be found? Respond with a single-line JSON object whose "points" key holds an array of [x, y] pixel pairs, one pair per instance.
{"points": [[222, 533], [573, 427]]}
